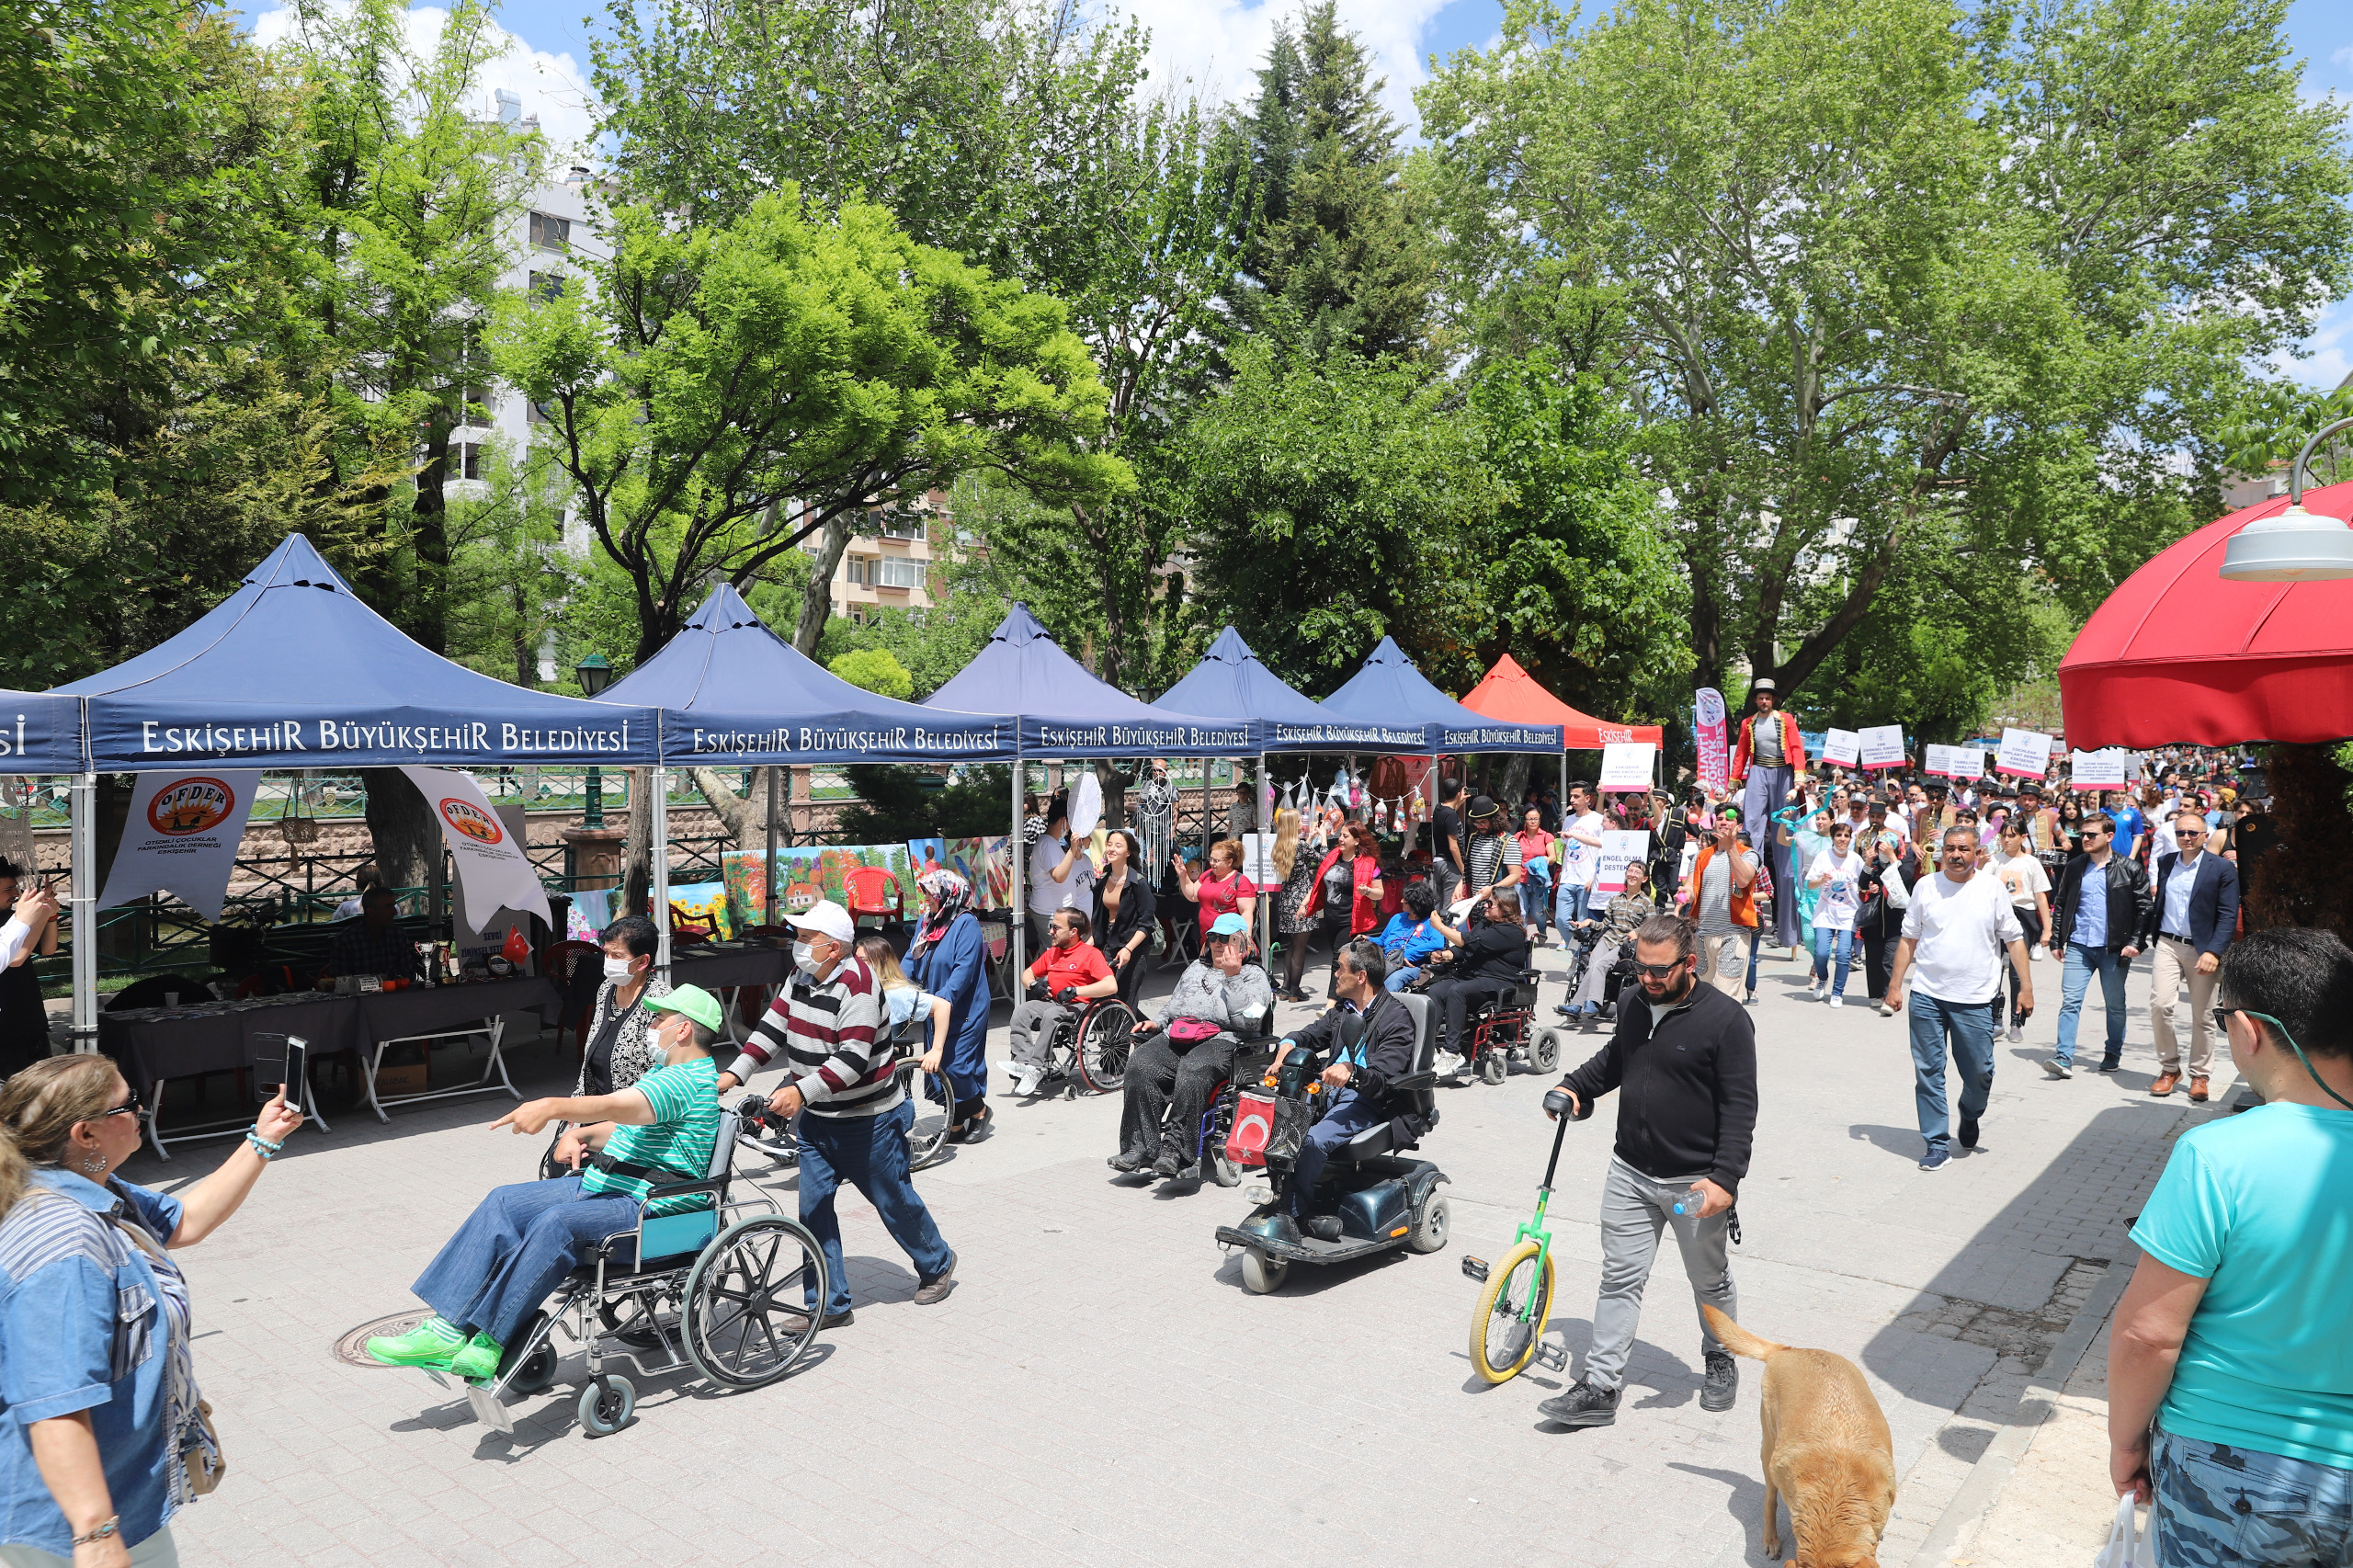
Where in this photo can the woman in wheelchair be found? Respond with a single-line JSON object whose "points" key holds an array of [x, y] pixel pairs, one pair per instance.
{"points": [[1487, 965], [1180, 1057], [522, 1240], [1413, 934], [1626, 910], [1368, 1037]]}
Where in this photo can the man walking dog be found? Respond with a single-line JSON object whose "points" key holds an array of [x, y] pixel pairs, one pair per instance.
{"points": [[1686, 1055]]}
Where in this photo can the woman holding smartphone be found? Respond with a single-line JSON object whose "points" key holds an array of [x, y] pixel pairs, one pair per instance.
{"points": [[107, 1436]]}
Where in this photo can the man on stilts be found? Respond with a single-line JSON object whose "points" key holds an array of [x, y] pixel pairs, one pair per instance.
{"points": [[1770, 756]]}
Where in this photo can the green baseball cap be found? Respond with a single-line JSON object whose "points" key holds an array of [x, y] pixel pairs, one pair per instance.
{"points": [[694, 1002]]}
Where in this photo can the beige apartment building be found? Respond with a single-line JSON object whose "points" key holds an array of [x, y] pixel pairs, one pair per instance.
{"points": [[896, 560]]}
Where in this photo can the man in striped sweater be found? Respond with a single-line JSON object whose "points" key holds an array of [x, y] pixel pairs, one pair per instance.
{"points": [[850, 1118]]}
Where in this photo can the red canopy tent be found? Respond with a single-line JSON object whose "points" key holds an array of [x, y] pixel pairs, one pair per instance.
{"points": [[1509, 692], [2179, 656]]}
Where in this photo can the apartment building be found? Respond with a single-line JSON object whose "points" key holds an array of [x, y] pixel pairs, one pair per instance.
{"points": [[896, 560]]}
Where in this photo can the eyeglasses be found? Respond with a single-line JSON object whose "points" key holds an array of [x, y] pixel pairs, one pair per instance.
{"points": [[2189, 832], [131, 1107], [2095, 833], [1659, 970]]}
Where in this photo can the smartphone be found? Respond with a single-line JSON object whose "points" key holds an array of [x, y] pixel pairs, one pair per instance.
{"points": [[282, 1060]]}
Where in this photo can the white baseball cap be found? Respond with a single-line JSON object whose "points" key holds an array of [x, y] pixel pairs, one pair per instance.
{"points": [[827, 918]]}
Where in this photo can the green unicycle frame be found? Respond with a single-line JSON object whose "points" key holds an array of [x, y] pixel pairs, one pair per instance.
{"points": [[1532, 1233]]}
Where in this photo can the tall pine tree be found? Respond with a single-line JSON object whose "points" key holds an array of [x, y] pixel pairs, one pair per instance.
{"points": [[1335, 256]]}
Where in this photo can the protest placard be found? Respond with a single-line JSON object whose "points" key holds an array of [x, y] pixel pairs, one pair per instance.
{"points": [[1627, 764], [1845, 747], [1883, 746], [2025, 753], [1617, 848]]}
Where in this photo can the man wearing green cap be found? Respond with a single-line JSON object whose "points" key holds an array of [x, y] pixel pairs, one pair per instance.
{"points": [[522, 1240]]}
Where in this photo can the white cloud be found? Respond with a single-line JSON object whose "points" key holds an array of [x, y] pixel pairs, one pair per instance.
{"points": [[1220, 44], [2329, 351], [552, 86]]}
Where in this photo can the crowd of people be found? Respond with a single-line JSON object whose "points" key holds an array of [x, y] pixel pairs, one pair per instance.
{"points": [[1945, 894]]}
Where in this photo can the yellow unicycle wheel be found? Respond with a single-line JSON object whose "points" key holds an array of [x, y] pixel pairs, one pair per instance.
{"points": [[1503, 1337]]}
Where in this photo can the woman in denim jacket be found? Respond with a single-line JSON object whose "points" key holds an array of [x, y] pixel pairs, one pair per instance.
{"points": [[102, 1439]]}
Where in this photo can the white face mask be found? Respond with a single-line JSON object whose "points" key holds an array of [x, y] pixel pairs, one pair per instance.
{"points": [[618, 969], [804, 958]]}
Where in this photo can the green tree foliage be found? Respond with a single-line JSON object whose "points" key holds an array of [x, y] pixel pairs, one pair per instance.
{"points": [[1330, 503], [875, 670], [896, 803], [1334, 260], [711, 375], [1898, 278], [409, 204]]}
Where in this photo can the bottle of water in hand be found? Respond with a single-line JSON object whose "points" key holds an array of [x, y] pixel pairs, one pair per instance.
{"points": [[1688, 1207]]}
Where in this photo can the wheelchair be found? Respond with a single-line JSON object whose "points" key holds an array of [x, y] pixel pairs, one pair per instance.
{"points": [[1500, 1031], [1383, 1198], [1088, 1051], [1250, 1062], [690, 1291]]}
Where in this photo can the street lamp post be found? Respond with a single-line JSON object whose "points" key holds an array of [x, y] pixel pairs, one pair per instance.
{"points": [[2296, 546], [594, 676]]}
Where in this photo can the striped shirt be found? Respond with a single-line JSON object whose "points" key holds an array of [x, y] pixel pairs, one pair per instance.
{"points": [[685, 1098], [829, 1033], [1493, 855]]}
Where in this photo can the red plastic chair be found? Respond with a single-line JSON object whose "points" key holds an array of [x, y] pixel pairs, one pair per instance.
{"points": [[685, 927], [874, 891]]}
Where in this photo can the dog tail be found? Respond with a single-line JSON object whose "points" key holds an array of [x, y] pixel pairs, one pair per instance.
{"points": [[1738, 1340]]}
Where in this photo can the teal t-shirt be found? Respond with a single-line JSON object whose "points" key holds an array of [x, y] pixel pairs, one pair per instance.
{"points": [[2256, 1205], [685, 1098]]}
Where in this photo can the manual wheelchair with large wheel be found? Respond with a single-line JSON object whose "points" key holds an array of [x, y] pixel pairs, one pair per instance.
{"points": [[1500, 1031], [686, 1292], [1087, 1049], [1383, 1198]]}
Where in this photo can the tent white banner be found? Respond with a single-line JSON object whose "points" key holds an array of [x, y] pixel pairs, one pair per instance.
{"points": [[2025, 753], [1844, 748], [1883, 746], [494, 872], [182, 838], [1626, 764]]}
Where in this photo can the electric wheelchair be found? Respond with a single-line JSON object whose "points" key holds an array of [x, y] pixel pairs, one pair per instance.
{"points": [[694, 1291], [1209, 1158], [1383, 1198]]}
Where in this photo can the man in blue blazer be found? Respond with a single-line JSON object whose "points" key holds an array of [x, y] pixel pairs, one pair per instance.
{"points": [[2191, 921]]}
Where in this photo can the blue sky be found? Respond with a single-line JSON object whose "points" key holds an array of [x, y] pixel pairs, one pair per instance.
{"points": [[1216, 42]]}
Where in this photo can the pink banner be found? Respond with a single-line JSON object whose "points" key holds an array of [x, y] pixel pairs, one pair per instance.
{"points": [[1715, 769]]}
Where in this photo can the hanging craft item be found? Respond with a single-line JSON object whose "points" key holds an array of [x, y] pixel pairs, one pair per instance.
{"points": [[294, 824]]}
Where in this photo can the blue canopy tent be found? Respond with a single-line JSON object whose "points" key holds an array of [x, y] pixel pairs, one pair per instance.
{"points": [[1066, 712], [292, 671], [40, 733], [734, 692], [1389, 691]]}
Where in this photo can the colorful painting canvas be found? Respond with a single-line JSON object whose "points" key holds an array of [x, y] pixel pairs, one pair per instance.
{"points": [[807, 874]]}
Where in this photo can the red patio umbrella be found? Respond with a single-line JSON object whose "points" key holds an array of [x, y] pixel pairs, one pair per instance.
{"points": [[2179, 656], [1510, 693]]}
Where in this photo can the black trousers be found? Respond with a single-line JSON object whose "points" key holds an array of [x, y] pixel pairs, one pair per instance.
{"points": [[1166, 1078], [1454, 999], [1875, 951]]}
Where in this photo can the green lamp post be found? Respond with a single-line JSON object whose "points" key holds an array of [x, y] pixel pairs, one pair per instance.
{"points": [[595, 675]]}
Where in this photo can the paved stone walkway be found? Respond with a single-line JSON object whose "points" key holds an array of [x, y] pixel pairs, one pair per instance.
{"points": [[1099, 1388]]}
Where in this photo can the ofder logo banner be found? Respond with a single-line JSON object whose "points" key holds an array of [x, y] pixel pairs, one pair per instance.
{"points": [[182, 837], [493, 873]]}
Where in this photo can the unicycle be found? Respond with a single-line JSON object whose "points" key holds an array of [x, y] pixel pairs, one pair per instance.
{"points": [[1507, 1332]]}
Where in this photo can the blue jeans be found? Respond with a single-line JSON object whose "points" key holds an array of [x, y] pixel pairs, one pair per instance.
{"points": [[1401, 977], [1826, 943], [1535, 898], [1753, 936], [515, 1248], [1969, 1026], [1349, 1114], [1575, 904], [2075, 979], [869, 1153], [2235, 1507]]}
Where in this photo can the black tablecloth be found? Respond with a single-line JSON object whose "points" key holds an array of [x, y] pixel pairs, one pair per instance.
{"points": [[715, 969], [152, 1043]]}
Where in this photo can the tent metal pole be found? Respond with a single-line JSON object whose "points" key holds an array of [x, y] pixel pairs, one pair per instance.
{"points": [[659, 848], [81, 802], [1020, 923], [1264, 818], [767, 880]]}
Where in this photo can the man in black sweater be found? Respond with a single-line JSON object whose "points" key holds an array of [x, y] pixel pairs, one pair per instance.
{"points": [[1368, 1037], [1684, 1057]]}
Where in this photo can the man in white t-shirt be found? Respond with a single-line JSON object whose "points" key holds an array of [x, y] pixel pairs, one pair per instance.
{"points": [[1061, 876], [1959, 927], [1580, 852]]}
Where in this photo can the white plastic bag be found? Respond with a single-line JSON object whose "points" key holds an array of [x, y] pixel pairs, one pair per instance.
{"points": [[1892, 885], [2128, 1546]]}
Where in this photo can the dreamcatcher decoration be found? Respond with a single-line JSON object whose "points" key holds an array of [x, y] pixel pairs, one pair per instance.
{"points": [[17, 804]]}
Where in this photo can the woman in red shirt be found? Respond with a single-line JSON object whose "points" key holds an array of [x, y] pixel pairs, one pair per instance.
{"points": [[1353, 866], [1219, 890]]}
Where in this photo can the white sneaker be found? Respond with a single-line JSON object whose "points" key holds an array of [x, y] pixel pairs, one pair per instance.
{"points": [[2016, 1034], [1837, 1000], [1814, 991], [1026, 1079]]}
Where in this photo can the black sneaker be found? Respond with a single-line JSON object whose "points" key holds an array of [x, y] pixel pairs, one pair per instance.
{"points": [[1170, 1163], [1722, 1382], [1969, 1132], [1581, 1404], [2110, 1063], [1322, 1227]]}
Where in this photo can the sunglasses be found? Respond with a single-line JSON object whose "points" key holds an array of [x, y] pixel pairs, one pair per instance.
{"points": [[131, 1107], [2189, 832], [1659, 970]]}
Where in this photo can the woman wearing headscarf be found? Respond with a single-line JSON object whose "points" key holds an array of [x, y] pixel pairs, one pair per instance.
{"points": [[950, 958]]}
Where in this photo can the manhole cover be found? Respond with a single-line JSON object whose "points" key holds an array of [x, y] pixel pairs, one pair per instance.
{"points": [[350, 1349]]}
